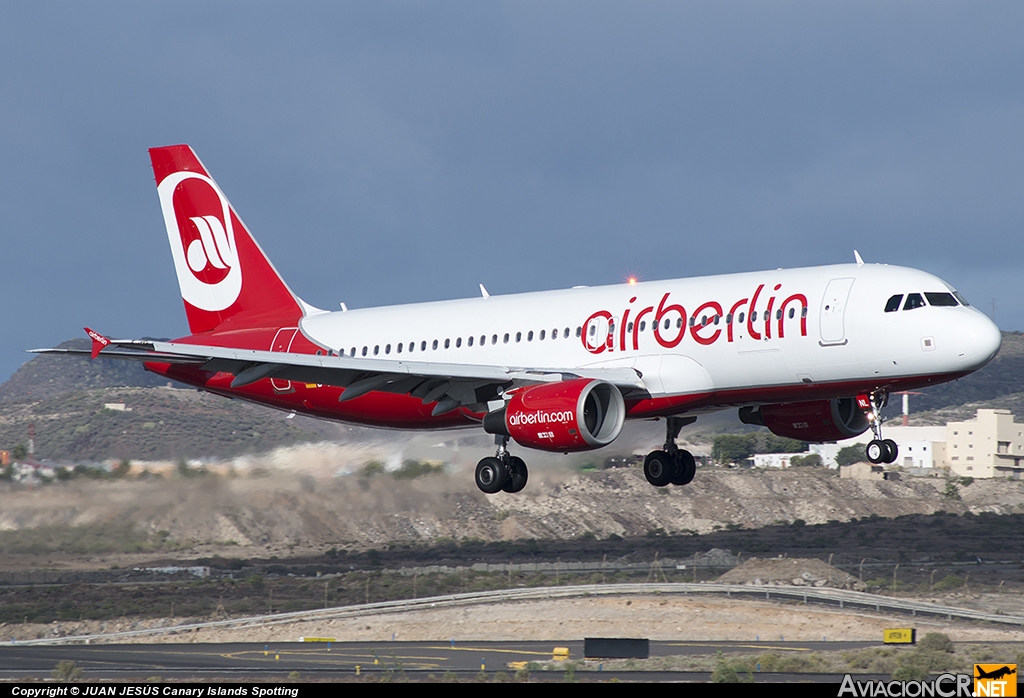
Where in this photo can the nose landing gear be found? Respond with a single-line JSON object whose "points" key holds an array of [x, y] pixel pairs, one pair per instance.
{"points": [[502, 473], [673, 465], [878, 450]]}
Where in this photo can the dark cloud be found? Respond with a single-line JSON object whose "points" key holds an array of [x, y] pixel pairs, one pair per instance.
{"points": [[395, 152]]}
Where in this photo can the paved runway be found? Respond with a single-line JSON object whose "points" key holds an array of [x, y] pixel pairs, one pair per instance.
{"points": [[270, 662]]}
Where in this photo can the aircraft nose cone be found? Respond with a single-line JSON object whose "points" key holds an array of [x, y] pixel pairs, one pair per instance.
{"points": [[977, 339]]}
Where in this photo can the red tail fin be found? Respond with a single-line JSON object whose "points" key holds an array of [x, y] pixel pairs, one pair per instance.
{"points": [[222, 272]]}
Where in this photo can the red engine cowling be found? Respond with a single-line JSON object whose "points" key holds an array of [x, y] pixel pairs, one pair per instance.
{"points": [[573, 415], [816, 421]]}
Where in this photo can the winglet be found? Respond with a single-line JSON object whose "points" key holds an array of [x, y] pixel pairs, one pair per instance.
{"points": [[99, 342], [483, 292], [857, 258]]}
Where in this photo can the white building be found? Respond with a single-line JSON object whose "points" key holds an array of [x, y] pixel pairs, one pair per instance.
{"points": [[990, 445], [775, 460], [920, 447]]}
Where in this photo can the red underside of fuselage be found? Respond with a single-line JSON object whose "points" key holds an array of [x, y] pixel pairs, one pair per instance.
{"points": [[388, 410]]}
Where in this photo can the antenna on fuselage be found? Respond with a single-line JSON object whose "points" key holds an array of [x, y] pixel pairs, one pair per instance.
{"points": [[483, 292], [857, 258]]}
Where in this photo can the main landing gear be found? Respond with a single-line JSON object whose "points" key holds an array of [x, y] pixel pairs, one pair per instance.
{"points": [[672, 465], [502, 473], [879, 450]]}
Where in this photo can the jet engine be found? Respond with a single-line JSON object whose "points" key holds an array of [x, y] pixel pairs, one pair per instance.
{"points": [[816, 421], [574, 415]]}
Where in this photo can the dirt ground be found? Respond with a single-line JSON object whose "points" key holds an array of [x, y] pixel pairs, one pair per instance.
{"points": [[655, 617]]}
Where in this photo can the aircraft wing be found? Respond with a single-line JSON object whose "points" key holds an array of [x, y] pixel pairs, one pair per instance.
{"points": [[448, 384]]}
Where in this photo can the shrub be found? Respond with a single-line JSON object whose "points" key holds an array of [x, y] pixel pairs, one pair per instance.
{"points": [[938, 642]]}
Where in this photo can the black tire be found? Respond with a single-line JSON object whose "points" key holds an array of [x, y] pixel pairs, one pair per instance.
{"points": [[894, 450], [659, 468], [517, 475], [877, 451], [490, 475], [686, 468]]}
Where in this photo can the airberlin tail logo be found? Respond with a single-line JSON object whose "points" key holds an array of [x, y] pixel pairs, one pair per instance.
{"points": [[199, 227]]}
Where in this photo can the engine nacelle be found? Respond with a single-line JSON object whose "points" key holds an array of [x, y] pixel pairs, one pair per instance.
{"points": [[573, 415], [816, 421]]}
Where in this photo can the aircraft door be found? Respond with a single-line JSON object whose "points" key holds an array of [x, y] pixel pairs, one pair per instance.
{"points": [[833, 307], [283, 343]]}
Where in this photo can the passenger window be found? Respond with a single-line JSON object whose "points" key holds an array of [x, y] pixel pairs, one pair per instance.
{"points": [[643, 325], [423, 345], [753, 316], [376, 349], [566, 335], [353, 351], [894, 303], [469, 342], [679, 322], [740, 318], [434, 345], [519, 335], [941, 299], [364, 351], [399, 347], [728, 319], [529, 336], [914, 300], [506, 338], [387, 349], [494, 339], [541, 337], [447, 343], [458, 342], [483, 339], [792, 313], [579, 331], [554, 333]]}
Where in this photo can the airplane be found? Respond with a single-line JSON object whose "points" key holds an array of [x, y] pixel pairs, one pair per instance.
{"points": [[810, 353]]}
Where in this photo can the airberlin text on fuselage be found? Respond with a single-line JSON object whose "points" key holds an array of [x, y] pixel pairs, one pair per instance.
{"points": [[671, 323]]}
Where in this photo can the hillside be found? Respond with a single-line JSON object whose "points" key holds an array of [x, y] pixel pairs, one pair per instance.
{"points": [[160, 424], [49, 376]]}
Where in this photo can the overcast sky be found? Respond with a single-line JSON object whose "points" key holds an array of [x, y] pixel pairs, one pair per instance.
{"points": [[393, 152]]}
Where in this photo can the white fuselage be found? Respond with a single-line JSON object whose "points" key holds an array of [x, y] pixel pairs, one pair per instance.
{"points": [[723, 343]]}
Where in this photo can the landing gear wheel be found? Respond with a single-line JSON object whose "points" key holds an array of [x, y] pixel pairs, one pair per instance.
{"points": [[490, 475], [894, 450], [878, 451], [685, 469], [659, 468], [517, 475]]}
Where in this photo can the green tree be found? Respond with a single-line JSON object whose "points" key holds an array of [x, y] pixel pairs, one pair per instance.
{"points": [[770, 443], [848, 455], [811, 459], [122, 468], [732, 448]]}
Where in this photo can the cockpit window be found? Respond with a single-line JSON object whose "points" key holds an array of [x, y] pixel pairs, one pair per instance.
{"points": [[894, 303], [914, 300], [959, 297], [941, 299]]}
